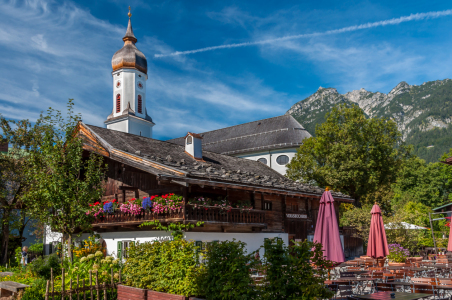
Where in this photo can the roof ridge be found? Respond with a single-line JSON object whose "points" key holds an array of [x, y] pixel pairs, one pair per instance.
{"points": [[243, 124]]}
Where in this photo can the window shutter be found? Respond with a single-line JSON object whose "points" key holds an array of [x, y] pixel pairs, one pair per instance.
{"points": [[120, 250]]}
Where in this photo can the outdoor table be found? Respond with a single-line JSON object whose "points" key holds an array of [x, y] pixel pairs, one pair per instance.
{"points": [[387, 296], [358, 272]]}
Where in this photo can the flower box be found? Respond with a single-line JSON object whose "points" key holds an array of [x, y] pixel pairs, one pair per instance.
{"points": [[153, 295], [395, 264], [131, 293]]}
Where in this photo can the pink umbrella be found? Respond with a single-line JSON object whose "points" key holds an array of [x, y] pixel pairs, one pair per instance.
{"points": [[449, 244], [378, 245], [327, 230]]}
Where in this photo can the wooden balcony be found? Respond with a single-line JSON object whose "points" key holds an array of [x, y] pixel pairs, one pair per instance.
{"points": [[215, 214], [255, 218]]}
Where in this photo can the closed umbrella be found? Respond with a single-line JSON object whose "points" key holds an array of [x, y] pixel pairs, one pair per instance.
{"points": [[449, 244], [377, 247], [327, 230]]}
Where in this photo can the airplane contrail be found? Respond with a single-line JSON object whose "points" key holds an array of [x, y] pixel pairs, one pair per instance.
{"points": [[394, 21]]}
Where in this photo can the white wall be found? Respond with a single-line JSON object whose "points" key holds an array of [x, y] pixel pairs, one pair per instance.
{"points": [[252, 240], [271, 156]]}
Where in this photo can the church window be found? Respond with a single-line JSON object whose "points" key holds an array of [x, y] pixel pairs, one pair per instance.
{"points": [[282, 160], [262, 160], [140, 104], [189, 140], [118, 103]]}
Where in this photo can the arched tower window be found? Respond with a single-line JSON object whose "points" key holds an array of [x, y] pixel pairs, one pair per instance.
{"points": [[140, 104], [118, 103]]}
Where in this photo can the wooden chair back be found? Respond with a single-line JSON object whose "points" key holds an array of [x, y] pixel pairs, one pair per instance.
{"points": [[424, 289], [347, 274], [345, 290], [353, 268], [377, 275], [424, 280], [444, 281], [379, 269], [383, 287]]}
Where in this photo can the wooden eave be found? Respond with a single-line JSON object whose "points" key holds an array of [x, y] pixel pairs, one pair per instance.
{"points": [[239, 186]]}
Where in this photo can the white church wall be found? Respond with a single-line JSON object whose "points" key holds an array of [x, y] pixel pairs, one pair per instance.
{"points": [[253, 240], [139, 127], [119, 125], [271, 157]]}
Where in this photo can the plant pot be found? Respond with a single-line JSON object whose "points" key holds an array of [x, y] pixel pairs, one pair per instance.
{"points": [[381, 262], [395, 264]]}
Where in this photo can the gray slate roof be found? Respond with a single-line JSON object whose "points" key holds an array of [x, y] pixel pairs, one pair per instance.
{"points": [[273, 133], [214, 166]]}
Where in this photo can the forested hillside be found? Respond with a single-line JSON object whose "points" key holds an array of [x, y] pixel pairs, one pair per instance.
{"points": [[423, 112]]}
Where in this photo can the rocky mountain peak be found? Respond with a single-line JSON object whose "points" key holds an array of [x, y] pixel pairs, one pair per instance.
{"points": [[416, 109]]}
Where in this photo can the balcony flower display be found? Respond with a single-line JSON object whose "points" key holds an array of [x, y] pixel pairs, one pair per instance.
{"points": [[146, 204], [96, 209], [133, 206], [110, 206], [167, 203]]}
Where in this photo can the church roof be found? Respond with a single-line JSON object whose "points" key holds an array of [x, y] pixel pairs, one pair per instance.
{"points": [[170, 160], [273, 133], [129, 56]]}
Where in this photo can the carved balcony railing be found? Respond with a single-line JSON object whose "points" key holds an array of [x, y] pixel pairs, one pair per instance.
{"points": [[216, 214], [122, 217], [204, 214]]}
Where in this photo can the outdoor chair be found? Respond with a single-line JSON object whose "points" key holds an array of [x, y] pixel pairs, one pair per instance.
{"points": [[424, 280], [345, 291], [384, 287], [347, 274]]}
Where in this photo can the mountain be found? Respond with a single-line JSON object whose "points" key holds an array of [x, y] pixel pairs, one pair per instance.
{"points": [[423, 112]]}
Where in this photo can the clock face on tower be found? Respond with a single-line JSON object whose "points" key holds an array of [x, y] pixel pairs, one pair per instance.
{"points": [[140, 85], [118, 84]]}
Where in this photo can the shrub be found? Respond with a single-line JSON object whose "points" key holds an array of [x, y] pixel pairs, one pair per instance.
{"points": [[227, 272], [168, 266], [36, 291], [41, 266], [294, 273], [36, 248]]}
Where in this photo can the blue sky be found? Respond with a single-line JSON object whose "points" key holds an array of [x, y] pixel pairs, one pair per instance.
{"points": [[54, 50]]}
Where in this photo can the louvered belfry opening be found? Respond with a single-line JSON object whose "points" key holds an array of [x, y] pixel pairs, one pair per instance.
{"points": [[140, 104], [118, 103]]}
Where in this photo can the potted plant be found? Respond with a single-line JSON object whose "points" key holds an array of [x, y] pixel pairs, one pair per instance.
{"points": [[397, 255]]}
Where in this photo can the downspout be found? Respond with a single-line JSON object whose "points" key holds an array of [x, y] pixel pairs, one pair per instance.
{"points": [[270, 154]]}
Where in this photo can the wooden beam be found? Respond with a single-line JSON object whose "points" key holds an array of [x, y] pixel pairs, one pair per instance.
{"points": [[128, 188]]}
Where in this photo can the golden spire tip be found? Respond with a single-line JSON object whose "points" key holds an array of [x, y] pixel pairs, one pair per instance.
{"points": [[129, 14]]}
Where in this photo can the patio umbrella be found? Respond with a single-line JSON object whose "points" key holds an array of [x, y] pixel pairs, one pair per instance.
{"points": [[449, 244], [377, 246], [327, 230]]}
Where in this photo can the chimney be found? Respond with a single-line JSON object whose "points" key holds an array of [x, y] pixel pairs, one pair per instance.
{"points": [[193, 145]]}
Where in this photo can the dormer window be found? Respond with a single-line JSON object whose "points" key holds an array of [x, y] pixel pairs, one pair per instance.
{"points": [[140, 104], [189, 140], [193, 145], [118, 103]]}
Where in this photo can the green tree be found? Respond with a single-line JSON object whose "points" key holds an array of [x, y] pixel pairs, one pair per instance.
{"points": [[14, 184], [65, 179], [429, 184], [351, 153]]}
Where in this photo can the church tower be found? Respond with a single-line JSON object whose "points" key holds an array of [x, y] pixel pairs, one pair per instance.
{"points": [[129, 89]]}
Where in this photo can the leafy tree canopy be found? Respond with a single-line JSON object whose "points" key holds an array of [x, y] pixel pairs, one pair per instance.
{"points": [[350, 153], [64, 178]]}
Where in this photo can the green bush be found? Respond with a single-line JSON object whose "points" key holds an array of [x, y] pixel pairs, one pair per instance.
{"points": [[168, 266], [41, 266], [36, 248], [36, 291], [227, 272], [290, 273]]}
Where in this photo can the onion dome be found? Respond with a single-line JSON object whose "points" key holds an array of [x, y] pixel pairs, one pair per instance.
{"points": [[129, 56]]}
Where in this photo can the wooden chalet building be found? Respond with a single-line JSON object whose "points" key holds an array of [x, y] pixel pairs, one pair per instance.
{"points": [[140, 167]]}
